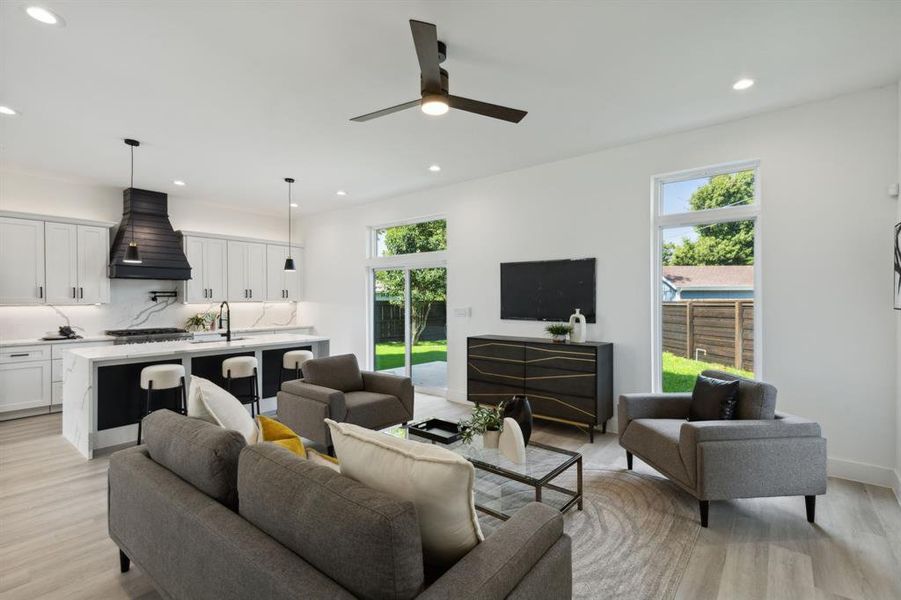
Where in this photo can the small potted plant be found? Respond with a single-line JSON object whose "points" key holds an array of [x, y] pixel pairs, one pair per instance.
{"points": [[488, 421], [199, 322], [558, 331]]}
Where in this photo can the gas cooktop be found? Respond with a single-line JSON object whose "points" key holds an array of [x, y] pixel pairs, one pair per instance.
{"points": [[149, 334]]}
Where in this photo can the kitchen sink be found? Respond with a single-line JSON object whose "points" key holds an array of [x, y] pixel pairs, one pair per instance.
{"points": [[210, 340]]}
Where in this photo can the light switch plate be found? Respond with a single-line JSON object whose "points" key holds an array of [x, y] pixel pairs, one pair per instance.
{"points": [[464, 312]]}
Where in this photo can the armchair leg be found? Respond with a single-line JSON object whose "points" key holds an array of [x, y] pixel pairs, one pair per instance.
{"points": [[704, 506], [811, 504], [628, 460], [124, 562]]}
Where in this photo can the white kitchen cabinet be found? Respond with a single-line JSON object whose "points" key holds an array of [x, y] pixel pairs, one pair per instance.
{"points": [[61, 256], [208, 258], [246, 271], [21, 261], [76, 258], [24, 385], [93, 258], [281, 285]]}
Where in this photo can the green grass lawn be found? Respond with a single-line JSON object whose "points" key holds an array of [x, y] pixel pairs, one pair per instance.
{"points": [[679, 374], [390, 355]]}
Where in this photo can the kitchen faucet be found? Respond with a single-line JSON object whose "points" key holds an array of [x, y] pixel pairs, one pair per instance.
{"points": [[228, 317]]}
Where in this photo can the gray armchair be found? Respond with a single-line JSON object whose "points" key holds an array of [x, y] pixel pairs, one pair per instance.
{"points": [[335, 388], [760, 453]]}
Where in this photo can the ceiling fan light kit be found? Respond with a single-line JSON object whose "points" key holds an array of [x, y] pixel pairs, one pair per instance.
{"points": [[434, 80]]}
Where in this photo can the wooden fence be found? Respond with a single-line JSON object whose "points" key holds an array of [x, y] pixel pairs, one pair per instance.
{"points": [[717, 331]]}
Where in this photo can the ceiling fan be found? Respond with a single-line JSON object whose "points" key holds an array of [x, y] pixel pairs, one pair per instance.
{"points": [[434, 83]]}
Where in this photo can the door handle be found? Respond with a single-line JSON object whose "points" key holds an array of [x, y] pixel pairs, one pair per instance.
{"points": [[73, 291], [19, 355], [251, 293], [81, 292], [204, 292], [40, 291]]}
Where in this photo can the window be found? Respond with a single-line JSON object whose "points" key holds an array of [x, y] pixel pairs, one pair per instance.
{"points": [[412, 238], [706, 273], [408, 302]]}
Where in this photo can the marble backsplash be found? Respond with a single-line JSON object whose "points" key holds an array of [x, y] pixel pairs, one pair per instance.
{"points": [[130, 307]]}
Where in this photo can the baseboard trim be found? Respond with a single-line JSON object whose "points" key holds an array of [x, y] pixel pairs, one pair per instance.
{"points": [[863, 473]]}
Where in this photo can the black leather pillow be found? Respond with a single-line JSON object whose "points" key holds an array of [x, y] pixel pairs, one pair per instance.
{"points": [[713, 399]]}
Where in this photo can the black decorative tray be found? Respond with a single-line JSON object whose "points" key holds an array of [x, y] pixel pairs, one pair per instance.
{"points": [[437, 430]]}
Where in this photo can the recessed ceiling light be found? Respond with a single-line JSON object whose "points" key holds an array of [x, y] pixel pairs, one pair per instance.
{"points": [[294, 205], [44, 15], [742, 84], [434, 168], [341, 193], [5, 110], [178, 182]]}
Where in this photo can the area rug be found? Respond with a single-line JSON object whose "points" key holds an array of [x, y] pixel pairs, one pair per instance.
{"points": [[633, 539]]}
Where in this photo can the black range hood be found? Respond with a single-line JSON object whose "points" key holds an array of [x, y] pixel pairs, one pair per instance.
{"points": [[145, 218]]}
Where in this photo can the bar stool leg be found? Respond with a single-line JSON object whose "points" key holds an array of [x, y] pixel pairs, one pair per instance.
{"points": [[256, 389], [146, 411], [184, 398]]}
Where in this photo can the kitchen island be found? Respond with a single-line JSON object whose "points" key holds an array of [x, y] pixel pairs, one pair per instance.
{"points": [[102, 399]]}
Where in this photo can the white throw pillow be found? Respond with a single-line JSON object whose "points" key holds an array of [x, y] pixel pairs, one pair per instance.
{"points": [[439, 483], [209, 402]]}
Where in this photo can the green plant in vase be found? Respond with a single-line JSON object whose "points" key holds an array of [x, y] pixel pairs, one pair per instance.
{"points": [[559, 331], [199, 322], [487, 421]]}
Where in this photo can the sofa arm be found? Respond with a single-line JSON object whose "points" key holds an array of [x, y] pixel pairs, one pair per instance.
{"points": [[496, 566], [651, 406], [334, 399], [783, 426], [393, 385]]}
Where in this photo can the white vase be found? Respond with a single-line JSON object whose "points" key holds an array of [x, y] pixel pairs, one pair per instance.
{"points": [[512, 444], [577, 322], [491, 438]]}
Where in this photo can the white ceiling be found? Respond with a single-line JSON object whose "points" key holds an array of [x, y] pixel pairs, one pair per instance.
{"points": [[232, 97]]}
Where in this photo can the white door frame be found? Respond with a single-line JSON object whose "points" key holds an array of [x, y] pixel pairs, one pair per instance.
{"points": [[659, 222]]}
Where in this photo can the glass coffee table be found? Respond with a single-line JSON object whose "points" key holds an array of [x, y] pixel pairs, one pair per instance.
{"points": [[503, 486]]}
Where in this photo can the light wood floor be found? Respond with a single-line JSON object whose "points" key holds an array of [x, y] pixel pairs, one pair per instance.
{"points": [[54, 544]]}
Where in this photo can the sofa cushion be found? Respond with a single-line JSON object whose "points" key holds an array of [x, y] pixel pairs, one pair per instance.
{"points": [[437, 481], [657, 441], [365, 540], [372, 410], [713, 399], [756, 399], [335, 372], [209, 402], [203, 454]]}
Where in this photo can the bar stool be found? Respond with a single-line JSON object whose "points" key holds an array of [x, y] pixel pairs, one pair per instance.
{"points": [[243, 367], [293, 361], [163, 377]]}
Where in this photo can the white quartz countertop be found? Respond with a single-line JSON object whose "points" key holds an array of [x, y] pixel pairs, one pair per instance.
{"points": [[187, 347], [109, 338]]}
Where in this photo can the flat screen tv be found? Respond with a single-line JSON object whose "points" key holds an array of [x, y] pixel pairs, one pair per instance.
{"points": [[548, 290]]}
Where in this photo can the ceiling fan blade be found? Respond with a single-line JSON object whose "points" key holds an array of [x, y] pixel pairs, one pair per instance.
{"points": [[486, 109], [387, 111], [425, 38]]}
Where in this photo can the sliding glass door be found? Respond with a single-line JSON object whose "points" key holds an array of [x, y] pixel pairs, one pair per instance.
{"points": [[409, 324]]}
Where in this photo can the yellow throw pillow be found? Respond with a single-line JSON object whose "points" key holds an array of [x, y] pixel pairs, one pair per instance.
{"points": [[279, 433]]}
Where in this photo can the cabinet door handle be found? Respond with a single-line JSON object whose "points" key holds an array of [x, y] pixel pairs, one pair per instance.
{"points": [[73, 291], [204, 292], [19, 355], [251, 293], [40, 291], [211, 292], [81, 292]]}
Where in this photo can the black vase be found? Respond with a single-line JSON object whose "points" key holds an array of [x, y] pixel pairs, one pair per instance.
{"points": [[519, 409]]}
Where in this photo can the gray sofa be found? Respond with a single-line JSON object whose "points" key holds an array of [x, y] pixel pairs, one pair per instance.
{"points": [[207, 517], [334, 388], [760, 453]]}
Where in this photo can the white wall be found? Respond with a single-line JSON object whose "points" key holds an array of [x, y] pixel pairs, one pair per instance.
{"points": [[130, 304], [829, 330], [897, 482]]}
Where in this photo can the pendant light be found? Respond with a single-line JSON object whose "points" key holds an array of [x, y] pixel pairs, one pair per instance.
{"points": [[132, 256], [289, 262]]}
